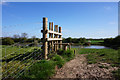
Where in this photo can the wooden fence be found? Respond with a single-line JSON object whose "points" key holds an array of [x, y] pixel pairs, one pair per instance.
{"points": [[54, 41]]}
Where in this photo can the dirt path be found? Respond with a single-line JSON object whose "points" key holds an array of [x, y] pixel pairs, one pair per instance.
{"points": [[78, 68]]}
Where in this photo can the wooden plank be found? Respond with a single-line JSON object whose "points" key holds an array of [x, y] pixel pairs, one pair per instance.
{"points": [[49, 31], [62, 43], [53, 39]]}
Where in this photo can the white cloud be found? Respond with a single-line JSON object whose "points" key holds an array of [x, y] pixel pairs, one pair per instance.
{"points": [[3, 2]]}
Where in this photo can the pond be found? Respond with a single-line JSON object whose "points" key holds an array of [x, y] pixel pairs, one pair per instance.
{"points": [[91, 46]]}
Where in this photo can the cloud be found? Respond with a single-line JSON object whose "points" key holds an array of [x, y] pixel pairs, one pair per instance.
{"points": [[3, 2]]}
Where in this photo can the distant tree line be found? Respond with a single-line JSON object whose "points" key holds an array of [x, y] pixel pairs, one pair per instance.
{"points": [[112, 42], [74, 40], [19, 39], [81, 40], [23, 38]]}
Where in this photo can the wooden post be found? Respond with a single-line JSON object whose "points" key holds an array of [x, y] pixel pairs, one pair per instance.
{"points": [[52, 35], [60, 30], [45, 51], [49, 43], [56, 29], [65, 47], [69, 46]]}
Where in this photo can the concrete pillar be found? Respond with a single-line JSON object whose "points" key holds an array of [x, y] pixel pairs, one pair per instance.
{"points": [[60, 30], [45, 45]]}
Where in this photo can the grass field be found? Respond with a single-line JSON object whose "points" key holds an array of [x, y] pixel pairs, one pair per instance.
{"points": [[96, 42], [110, 56], [9, 51], [101, 55], [15, 58], [94, 56]]}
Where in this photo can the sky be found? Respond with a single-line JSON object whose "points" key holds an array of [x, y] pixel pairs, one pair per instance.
{"points": [[77, 19]]}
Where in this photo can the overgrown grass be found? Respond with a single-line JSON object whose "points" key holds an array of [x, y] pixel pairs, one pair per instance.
{"points": [[41, 70], [45, 69], [59, 61], [67, 55]]}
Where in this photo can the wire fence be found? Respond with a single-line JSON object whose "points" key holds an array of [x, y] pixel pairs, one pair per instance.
{"points": [[15, 65], [16, 58]]}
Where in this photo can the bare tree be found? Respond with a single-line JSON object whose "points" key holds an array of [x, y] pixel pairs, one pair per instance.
{"points": [[24, 35], [16, 36]]}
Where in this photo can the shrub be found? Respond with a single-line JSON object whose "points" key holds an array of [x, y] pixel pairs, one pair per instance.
{"points": [[7, 41]]}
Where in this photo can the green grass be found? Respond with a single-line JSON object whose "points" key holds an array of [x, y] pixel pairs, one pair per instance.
{"points": [[110, 56], [46, 68], [67, 55], [101, 55], [14, 50], [96, 42], [41, 70], [116, 74], [14, 62], [59, 61]]}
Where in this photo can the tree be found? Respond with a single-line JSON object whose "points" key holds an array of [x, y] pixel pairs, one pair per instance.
{"points": [[7, 41], [69, 40], [16, 36], [24, 35]]}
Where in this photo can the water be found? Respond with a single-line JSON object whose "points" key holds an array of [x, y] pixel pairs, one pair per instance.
{"points": [[91, 47]]}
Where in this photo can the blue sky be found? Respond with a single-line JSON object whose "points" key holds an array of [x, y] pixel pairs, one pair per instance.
{"points": [[77, 19]]}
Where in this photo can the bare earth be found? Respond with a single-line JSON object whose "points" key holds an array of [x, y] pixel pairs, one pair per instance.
{"points": [[78, 68]]}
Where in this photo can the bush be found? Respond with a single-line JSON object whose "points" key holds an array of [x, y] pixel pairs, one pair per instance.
{"points": [[7, 41]]}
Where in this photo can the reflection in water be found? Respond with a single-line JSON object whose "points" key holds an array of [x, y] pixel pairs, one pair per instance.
{"points": [[92, 46]]}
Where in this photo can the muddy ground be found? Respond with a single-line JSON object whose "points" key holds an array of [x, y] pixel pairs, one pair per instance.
{"points": [[79, 68]]}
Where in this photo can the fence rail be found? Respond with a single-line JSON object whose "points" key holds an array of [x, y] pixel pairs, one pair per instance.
{"points": [[54, 41], [55, 36], [15, 63]]}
